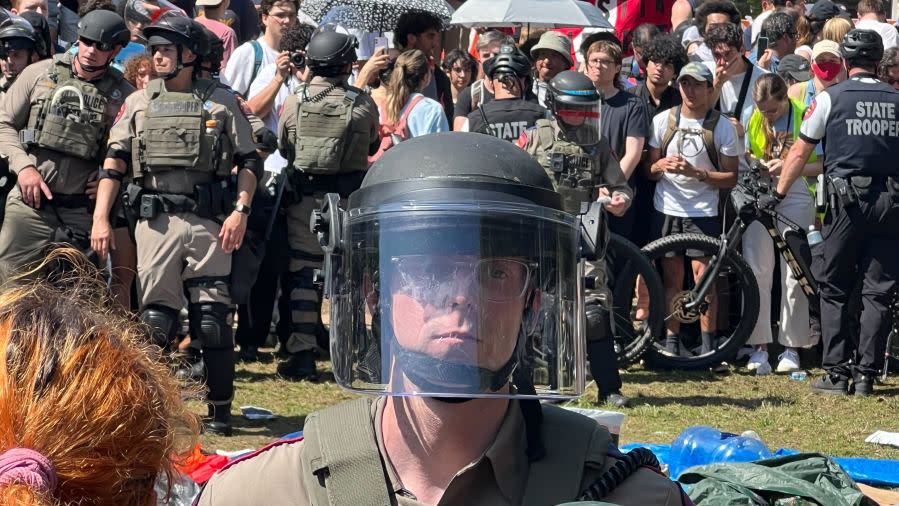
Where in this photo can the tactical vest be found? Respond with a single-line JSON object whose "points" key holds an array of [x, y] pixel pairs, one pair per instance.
{"points": [[176, 136], [327, 140], [340, 447], [861, 137], [570, 167], [72, 118]]}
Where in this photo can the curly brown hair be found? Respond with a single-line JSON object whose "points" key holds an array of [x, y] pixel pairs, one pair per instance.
{"points": [[133, 66], [81, 384]]}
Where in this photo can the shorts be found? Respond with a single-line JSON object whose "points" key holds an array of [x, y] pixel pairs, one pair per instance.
{"points": [[664, 225]]}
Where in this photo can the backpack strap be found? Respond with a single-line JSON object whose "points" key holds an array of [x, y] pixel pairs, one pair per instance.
{"points": [[257, 58], [404, 118], [344, 452], [670, 130], [744, 89], [708, 136], [477, 93]]}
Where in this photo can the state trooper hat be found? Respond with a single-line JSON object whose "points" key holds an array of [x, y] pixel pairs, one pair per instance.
{"points": [[104, 26]]}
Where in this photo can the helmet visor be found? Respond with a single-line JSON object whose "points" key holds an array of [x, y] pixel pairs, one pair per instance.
{"points": [[580, 122], [454, 300]]}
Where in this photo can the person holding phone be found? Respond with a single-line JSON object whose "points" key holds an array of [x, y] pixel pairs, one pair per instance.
{"points": [[780, 31]]}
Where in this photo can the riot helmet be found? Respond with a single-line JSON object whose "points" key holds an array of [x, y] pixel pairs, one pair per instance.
{"points": [[105, 30], [454, 273], [574, 101], [511, 67], [330, 51], [16, 33], [41, 32], [862, 48], [178, 29]]}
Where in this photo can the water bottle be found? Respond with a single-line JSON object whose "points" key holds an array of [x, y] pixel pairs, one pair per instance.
{"points": [[814, 236], [700, 445]]}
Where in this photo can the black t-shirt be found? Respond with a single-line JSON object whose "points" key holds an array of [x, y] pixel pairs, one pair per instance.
{"points": [[670, 98], [623, 116], [463, 101], [506, 118]]}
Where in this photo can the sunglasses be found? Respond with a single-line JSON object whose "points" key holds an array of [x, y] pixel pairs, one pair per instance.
{"points": [[100, 46]]}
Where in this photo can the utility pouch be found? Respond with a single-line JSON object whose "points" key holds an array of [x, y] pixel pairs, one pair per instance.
{"points": [[203, 198], [27, 138], [149, 206], [843, 192]]}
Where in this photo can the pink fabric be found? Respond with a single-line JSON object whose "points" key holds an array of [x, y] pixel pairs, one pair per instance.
{"points": [[222, 31], [26, 466]]}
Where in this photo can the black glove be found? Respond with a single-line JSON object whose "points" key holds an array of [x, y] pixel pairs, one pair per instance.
{"points": [[768, 201], [597, 319]]}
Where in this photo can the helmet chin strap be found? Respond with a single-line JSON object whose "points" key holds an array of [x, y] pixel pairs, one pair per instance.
{"points": [[179, 65], [94, 68]]}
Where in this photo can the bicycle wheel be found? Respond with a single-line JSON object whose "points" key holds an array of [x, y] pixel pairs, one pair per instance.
{"points": [[632, 336], [737, 295]]}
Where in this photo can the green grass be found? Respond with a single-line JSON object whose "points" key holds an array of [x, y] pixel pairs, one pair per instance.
{"points": [[783, 412]]}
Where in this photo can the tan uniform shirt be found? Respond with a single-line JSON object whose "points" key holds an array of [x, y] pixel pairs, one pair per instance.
{"points": [[498, 478], [63, 174], [221, 105], [364, 111], [4, 85]]}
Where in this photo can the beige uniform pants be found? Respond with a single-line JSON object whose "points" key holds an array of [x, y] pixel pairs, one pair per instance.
{"points": [[174, 248], [306, 255], [27, 232]]}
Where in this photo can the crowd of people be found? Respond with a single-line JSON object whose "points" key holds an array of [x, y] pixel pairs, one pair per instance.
{"points": [[204, 157]]}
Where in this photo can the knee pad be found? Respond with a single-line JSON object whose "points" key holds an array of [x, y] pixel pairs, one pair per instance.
{"points": [[209, 323], [162, 321], [598, 318]]}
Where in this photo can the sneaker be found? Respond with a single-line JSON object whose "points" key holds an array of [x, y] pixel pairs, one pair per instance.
{"points": [[830, 384], [788, 361], [616, 399], [763, 369], [744, 353], [248, 354], [756, 360]]}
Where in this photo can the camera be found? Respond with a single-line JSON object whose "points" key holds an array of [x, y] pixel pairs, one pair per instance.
{"points": [[298, 59]]}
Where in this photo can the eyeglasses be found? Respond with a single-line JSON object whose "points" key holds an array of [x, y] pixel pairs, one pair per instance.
{"points": [[601, 63], [100, 46], [497, 279]]}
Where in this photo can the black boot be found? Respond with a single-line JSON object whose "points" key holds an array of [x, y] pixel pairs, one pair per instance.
{"points": [[218, 423], [248, 353], [831, 384], [862, 384], [299, 366]]}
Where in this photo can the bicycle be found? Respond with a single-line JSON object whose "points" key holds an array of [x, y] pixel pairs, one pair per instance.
{"points": [[727, 277]]}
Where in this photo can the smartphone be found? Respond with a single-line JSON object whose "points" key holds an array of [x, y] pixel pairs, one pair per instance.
{"points": [[761, 46], [380, 42]]}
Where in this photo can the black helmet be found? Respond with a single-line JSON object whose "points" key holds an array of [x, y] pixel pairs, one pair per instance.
{"points": [[41, 32], [329, 51], [862, 47], [572, 88], [213, 59], [17, 33], [465, 225], [509, 60], [104, 26], [174, 28]]}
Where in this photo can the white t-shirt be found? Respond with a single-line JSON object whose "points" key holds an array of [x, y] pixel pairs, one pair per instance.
{"points": [[679, 195], [275, 162], [239, 71], [887, 31], [730, 91]]}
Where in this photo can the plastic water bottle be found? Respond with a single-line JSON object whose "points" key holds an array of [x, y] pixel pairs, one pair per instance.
{"points": [[814, 236], [700, 445]]}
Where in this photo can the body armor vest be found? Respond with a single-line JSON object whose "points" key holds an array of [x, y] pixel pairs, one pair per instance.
{"points": [[327, 141], [571, 168], [179, 133], [72, 118]]}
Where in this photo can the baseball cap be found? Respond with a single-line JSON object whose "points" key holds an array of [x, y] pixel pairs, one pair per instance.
{"points": [[795, 67], [697, 71], [823, 10], [209, 3], [825, 46], [557, 42]]}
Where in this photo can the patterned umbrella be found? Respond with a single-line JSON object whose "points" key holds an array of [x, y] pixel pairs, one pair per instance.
{"points": [[373, 15]]}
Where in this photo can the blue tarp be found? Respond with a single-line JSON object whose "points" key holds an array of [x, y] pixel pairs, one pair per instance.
{"points": [[868, 471]]}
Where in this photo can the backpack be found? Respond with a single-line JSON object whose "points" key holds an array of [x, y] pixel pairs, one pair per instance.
{"points": [[393, 134], [257, 58], [708, 133]]}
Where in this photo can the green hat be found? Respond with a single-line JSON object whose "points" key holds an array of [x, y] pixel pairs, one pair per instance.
{"points": [[697, 71]]}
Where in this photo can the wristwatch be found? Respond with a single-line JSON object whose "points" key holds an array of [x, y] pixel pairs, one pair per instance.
{"points": [[242, 209]]}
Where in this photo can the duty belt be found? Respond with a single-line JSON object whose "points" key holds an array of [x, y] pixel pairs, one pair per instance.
{"points": [[343, 183], [152, 204], [69, 201], [849, 190]]}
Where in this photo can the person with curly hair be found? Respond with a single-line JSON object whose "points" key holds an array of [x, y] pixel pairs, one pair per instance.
{"points": [[780, 28], [709, 13], [139, 70], [889, 67], [89, 414]]}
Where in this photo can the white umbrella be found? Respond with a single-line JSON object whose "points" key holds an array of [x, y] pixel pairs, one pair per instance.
{"points": [[533, 13]]}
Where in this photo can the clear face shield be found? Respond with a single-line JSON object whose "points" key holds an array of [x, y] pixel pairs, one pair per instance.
{"points": [[579, 122], [140, 14], [457, 299]]}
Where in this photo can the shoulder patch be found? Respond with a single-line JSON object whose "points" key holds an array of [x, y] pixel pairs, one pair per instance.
{"points": [[522, 141], [810, 110], [119, 114]]}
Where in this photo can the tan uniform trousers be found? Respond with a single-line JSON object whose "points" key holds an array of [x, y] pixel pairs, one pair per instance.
{"points": [[27, 232], [173, 248], [306, 255]]}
